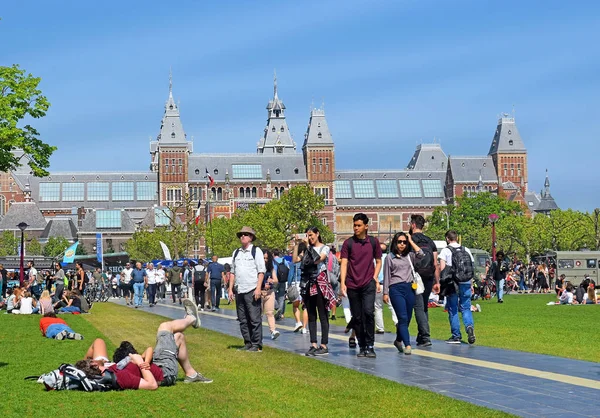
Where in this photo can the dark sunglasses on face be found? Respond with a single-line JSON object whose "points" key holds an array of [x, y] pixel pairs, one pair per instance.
{"points": [[402, 241], [244, 234]]}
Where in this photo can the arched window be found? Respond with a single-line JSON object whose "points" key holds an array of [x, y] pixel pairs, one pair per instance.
{"points": [[282, 129], [248, 192], [172, 134], [314, 165], [220, 193], [327, 165], [254, 192], [320, 165], [2, 205], [319, 135], [213, 193], [241, 192], [273, 128], [281, 190]]}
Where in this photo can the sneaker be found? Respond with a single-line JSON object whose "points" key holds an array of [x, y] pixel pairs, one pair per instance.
{"points": [[478, 306], [74, 336], [398, 345], [379, 331], [275, 334], [453, 340], [333, 317], [304, 331], [255, 349], [298, 327], [407, 351], [362, 353], [197, 378], [311, 351], [370, 352], [500, 301], [214, 309], [61, 336], [192, 310], [471, 335], [244, 348], [321, 351], [424, 344]]}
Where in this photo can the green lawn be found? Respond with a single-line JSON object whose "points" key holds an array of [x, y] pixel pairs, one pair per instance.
{"points": [[272, 383], [522, 322]]}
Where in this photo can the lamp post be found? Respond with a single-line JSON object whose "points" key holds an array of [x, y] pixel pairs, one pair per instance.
{"points": [[493, 218], [22, 226]]}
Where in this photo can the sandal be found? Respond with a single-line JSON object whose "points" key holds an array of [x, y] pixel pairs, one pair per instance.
{"points": [[352, 342]]}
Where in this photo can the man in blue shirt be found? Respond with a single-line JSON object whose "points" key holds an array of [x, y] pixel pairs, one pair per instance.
{"points": [[215, 272], [138, 275]]}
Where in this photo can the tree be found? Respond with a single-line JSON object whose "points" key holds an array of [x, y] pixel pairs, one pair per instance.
{"points": [[33, 246], [144, 245], [20, 98], [55, 246], [8, 244]]}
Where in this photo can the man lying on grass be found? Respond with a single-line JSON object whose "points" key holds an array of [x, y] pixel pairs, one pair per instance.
{"points": [[139, 372]]}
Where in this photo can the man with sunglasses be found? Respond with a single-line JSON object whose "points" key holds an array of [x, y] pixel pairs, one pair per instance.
{"points": [[247, 271]]}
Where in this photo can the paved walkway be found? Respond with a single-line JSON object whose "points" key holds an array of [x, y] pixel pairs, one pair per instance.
{"points": [[524, 384]]}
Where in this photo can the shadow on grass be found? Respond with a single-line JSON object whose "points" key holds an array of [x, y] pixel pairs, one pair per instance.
{"points": [[2, 364], [235, 346]]}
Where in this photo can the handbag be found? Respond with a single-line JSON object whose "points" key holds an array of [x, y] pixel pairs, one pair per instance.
{"points": [[293, 293], [416, 279]]}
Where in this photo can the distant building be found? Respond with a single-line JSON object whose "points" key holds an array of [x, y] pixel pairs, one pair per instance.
{"points": [[77, 205]]}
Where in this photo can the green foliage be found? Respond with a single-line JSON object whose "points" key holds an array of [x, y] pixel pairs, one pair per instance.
{"points": [[275, 223], [32, 246], [516, 232], [55, 246], [8, 243], [21, 99], [81, 250]]}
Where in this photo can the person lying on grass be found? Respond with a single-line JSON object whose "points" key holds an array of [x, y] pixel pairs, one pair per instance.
{"points": [[57, 328], [139, 373]]}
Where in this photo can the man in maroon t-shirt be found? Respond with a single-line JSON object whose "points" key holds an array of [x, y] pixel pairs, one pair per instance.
{"points": [[358, 277]]}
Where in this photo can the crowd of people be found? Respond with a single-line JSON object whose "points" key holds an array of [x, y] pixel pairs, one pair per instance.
{"points": [[363, 277]]}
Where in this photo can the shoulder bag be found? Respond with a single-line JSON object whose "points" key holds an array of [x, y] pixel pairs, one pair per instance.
{"points": [[416, 279]]}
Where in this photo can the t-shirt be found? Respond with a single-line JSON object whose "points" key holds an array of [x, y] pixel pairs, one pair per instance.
{"points": [[33, 274], [151, 274], [446, 253], [129, 377], [26, 306], [126, 275], [76, 302], [361, 268], [160, 276], [138, 275], [46, 322], [215, 270], [97, 277]]}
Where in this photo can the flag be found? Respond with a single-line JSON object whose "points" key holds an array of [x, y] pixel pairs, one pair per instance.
{"points": [[70, 253], [99, 253], [198, 211], [211, 181], [165, 250]]}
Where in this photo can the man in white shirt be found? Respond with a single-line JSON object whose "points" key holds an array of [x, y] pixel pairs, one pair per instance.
{"points": [[35, 282], [160, 282], [125, 282], [248, 270], [151, 284], [459, 300]]}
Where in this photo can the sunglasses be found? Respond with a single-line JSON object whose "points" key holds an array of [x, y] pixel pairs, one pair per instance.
{"points": [[245, 234], [402, 241]]}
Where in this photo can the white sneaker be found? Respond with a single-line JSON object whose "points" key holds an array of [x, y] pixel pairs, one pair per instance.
{"points": [[275, 334], [304, 331], [478, 306], [298, 326]]}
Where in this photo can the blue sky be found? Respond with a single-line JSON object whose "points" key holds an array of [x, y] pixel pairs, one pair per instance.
{"points": [[392, 74]]}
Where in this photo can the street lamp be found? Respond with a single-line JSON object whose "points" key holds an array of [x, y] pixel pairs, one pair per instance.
{"points": [[493, 218], [22, 226]]}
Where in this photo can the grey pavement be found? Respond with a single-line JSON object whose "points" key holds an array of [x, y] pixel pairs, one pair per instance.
{"points": [[524, 384]]}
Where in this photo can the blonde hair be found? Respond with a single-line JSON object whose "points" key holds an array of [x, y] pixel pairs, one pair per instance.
{"points": [[591, 294], [45, 294]]}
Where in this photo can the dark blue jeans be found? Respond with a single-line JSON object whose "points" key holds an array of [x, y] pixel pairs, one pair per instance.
{"points": [[402, 297], [215, 292]]}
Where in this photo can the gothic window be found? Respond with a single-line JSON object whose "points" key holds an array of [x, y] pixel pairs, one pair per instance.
{"points": [[172, 134], [248, 193], [241, 192], [254, 192], [166, 166], [282, 129], [314, 165], [171, 107], [2, 205], [319, 135], [219, 193], [281, 190], [327, 165], [273, 129]]}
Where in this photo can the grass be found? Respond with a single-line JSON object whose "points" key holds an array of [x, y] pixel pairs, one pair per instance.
{"points": [[522, 322], [273, 383]]}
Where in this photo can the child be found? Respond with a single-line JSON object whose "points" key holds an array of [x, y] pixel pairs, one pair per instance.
{"points": [[566, 297]]}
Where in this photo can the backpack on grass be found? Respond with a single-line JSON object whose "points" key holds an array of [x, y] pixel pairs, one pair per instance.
{"points": [[68, 377]]}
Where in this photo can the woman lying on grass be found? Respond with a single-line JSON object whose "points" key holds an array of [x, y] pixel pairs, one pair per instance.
{"points": [[138, 372]]}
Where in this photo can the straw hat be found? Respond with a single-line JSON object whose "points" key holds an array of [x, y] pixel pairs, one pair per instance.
{"points": [[247, 230]]}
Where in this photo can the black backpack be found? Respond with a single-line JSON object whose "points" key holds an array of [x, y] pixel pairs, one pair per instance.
{"points": [[282, 272], [504, 266], [425, 266], [462, 265]]}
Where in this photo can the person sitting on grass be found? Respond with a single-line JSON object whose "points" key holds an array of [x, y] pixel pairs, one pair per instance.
{"points": [[45, 303], [590, 296], [72, 304], [566, 297], [11, 301], [138, 373], [57, 328], [28, 305]]}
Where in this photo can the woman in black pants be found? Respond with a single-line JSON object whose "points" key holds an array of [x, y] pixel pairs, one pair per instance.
{"points": [[200, 285], [315, 289]]}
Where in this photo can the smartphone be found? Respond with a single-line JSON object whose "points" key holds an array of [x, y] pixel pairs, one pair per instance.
{"points": [[301, 236]]}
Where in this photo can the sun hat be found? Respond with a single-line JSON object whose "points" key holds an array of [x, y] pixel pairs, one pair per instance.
{"points": [[247, 230]]}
